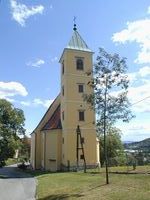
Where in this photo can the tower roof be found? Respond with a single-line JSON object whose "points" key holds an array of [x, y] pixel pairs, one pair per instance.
{"points": [[77, 42]]}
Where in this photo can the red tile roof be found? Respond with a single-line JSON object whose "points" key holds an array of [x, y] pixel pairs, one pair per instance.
{"points": [[54, 122]]}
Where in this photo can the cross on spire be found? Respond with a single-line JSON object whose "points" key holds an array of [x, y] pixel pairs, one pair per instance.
{"points": [[74, 20]]}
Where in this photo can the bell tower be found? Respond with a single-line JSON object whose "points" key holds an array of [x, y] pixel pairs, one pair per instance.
{"points": [[75, 61]]}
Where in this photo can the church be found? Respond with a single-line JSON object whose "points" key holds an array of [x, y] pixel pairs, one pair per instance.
{"points": [[65, 138]]}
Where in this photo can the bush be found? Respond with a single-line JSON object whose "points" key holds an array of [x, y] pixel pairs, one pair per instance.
{"points": [[22, 166], [2, 163]]}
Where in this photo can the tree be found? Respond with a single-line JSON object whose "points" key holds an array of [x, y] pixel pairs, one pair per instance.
{"points": [[109, 76], [11, 126], [24, 151], [115, 149], [110, 84]]}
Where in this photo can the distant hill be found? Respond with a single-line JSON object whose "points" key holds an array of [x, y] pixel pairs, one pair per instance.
{"points": [[127, 142], [143, 145]]}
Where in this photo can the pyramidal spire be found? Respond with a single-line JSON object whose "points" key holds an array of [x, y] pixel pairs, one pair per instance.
{"points": [[76, 41]]}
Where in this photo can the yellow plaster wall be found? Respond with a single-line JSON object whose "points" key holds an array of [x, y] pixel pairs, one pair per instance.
{"points": [[38, 153], [36, 150], [52, 154], [90, 147], [37, 157], [32, 155], [98, 151], [71, 103]]}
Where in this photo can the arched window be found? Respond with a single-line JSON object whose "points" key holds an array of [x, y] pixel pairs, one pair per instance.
{"points": [[79, 64]]}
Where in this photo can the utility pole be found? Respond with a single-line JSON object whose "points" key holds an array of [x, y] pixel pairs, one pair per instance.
{"points": [[105, 141], [79, 137], [77, 146]]}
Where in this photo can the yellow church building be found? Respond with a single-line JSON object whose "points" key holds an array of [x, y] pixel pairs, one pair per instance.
{"points": [[65, 138]]}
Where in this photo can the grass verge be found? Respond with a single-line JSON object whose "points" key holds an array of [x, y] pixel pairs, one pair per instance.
{"points": [[78, 185]]}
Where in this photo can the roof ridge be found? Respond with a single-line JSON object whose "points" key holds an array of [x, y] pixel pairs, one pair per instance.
{"points": [[48, 110]]}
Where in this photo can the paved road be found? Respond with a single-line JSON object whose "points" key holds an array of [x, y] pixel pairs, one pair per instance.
{"points": [[16, 185]]}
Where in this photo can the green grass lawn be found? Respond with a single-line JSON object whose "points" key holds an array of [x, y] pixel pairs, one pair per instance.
{"points": [[11, 161], [77, 185]]}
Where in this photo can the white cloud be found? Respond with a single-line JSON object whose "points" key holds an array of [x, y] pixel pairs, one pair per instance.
{"points": [[140, 90], [10, 100], [140, 75], [137, 31], [37, 102], [136, 127], [136, 94], [21, 12], [10, 89], [25, 103], [135, 132], [144, 71], [143, 56], [148, 11], [45, 103], [37, 63], [132, 77], [54, 59]]}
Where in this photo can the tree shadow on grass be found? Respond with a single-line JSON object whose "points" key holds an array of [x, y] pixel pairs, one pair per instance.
{"points": [[94, 173], [61, 196], [69, 196]]}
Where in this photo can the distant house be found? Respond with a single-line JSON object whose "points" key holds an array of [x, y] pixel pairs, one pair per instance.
{"points": [[54, 141], [16, 154]]}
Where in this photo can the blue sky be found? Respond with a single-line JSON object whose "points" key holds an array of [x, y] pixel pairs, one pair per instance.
{"points": [[33, 35]]}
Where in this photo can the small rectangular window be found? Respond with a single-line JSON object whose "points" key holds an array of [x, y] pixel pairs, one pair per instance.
{"points": [[63, 140], [63, 67], [80, 88], [81, 115], [63, 115], [63, 90]]}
